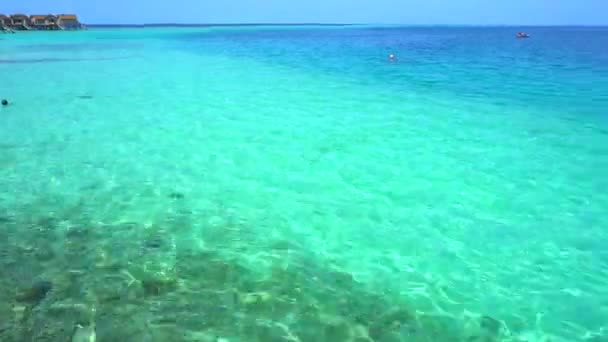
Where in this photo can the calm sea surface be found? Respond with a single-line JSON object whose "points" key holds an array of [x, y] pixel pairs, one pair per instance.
{"points": [[291, 183]]}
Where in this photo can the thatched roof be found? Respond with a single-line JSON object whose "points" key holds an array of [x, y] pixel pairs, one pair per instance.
{"points": [[67, 17], [43, 16]]}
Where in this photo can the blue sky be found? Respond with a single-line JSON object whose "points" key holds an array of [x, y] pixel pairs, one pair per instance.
{"points": [[536, 12]]}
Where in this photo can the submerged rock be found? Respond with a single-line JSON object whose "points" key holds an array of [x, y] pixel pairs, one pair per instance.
{"points": [[84, 334], [35, 293], [490, 325], [396, 320], [176, 195], [158, 286]]}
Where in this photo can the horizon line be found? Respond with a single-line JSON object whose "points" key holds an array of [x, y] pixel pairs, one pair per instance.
{"points": [[335, 24]]}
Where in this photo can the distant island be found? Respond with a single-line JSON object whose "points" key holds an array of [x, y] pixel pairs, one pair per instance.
{"points": [[39, 22]]}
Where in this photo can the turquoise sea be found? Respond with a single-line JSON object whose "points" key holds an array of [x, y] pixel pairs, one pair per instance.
{"points": [[291, 183]]}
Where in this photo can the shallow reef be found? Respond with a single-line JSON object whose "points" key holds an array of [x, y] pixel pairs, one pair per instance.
{"points": [[65, 277]]}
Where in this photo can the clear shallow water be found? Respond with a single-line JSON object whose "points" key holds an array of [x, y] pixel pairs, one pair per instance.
{"points": [[262, 182]]}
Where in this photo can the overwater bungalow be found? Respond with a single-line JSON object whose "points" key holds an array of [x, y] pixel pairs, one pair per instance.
{"points": [[5, 20], [44, 22], [69, 22], [20, 22], [5, 23]]}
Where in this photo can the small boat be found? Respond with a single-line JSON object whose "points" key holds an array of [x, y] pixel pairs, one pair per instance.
{"points": [[522, 35]]}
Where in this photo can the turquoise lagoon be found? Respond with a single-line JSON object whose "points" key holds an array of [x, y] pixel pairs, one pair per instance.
{"points": [[290, 183]]}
